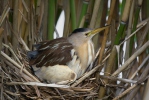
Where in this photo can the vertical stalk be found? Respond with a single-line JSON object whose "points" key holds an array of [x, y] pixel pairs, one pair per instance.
{"points": [[123, 5], [125, 16], [73, 14], [51, 19], [102, 90], [15, 24], [112, 57], [67, 17], [45, 20], [83, 10], [129, 30], [120, 32], [35, 3], [134, 28], [94, 18], [147, 16], [101, 18], [95, 13]]}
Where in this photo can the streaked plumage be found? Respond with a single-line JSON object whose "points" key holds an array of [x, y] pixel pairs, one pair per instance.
{"points": [[52, 52], [63, 60]]}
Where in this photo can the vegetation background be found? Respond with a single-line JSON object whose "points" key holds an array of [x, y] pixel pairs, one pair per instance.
{"points": [[123, 48]]}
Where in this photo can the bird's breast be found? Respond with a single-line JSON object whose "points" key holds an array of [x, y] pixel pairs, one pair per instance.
{"points": [[82, 58], [86, 53], [59, 74]]}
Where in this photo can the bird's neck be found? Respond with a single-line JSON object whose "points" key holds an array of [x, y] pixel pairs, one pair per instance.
{"points": [[76, 41], [86, 54]]}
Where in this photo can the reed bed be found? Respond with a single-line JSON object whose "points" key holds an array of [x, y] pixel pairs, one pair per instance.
{"points": [[120, 69]]}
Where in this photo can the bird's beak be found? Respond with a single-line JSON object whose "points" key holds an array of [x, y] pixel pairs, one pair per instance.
{"points": [[95, 31]]}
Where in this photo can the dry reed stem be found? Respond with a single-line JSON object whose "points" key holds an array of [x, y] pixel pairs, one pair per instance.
{"points": [[126, 11], [139, 68], [138, 52], [17, 65], [143, 24], [125, 92], [135, 73], [101, 91], [86, 75], [141, 79], [120, 79], [3, 16], [38, 84], [15, 56]]}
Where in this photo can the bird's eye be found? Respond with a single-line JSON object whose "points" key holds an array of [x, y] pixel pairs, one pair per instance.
{"points": [[86, 34]]}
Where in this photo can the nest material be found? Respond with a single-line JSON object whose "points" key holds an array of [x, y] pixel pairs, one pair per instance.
{"points": [[18, 81]]}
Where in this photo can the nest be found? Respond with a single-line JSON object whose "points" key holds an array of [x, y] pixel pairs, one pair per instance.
{"points": [[19, 82]]}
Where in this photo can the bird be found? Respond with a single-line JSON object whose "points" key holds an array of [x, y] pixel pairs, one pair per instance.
{"points": [[63, 60]]}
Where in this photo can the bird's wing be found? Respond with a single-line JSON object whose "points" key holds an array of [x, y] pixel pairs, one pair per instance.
{"points": [[49, 53]]}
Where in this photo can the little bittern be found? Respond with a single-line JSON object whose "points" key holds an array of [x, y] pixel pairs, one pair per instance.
{"points": [[63, 60]]}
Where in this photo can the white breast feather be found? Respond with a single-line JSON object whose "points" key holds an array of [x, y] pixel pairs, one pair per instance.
{"points": [[90, 52]]}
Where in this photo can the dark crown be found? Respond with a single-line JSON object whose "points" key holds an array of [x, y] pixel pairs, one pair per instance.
{"points": [[79, 30]]}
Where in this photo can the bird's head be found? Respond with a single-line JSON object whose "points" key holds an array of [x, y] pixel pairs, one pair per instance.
{"points": [[82, 35]]}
